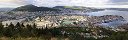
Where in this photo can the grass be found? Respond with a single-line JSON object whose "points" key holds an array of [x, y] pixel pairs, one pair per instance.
{"points": [[34, 38]]}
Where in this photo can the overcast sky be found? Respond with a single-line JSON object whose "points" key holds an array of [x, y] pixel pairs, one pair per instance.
{"points": [[51, 3]]}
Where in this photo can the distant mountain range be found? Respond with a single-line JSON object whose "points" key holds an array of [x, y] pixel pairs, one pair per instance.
{"points": [[33, 8], [6, 9], [119, 9], [70, 7], [78, 8]]}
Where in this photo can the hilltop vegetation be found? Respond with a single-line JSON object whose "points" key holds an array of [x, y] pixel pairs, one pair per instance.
{"points": [[30, 32], [71, 7], [32, 8]]}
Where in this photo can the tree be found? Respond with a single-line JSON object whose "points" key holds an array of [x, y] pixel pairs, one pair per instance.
{"points": [[29, 30], [6, 25], [22, 25], [34, 30], [1, 29], [9, 31], [10, 13], [34, 25], [17, 29]]}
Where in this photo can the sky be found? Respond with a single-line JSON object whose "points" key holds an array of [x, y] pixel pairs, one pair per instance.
{"points": [[52, 3]]}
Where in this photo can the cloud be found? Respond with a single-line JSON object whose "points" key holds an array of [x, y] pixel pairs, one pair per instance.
{"points": [[70, 2], [51, 3], [119, 2], [14, 3]]}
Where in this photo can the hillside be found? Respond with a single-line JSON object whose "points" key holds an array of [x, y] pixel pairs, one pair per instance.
{"points": [[119, 9], [6, 9], [70, 7], [32, 8], [78, 8]]}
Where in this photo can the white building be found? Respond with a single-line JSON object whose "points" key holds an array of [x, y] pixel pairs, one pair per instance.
{"points": [[41, 23]]}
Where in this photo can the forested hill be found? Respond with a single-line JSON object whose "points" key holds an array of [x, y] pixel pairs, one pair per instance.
{"points": [[33, 8]]}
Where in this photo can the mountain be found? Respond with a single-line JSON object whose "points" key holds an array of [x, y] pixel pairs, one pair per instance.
{"points": [[78, 8], [119, 9], [70, 7], [33, 8], [6, 9]]}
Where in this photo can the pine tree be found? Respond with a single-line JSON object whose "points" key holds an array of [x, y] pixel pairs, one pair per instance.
{"points": [[6, 24], [29, 30], [22, 25], [17, 29], [1, 29], [9, 31], [34, 30]]}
